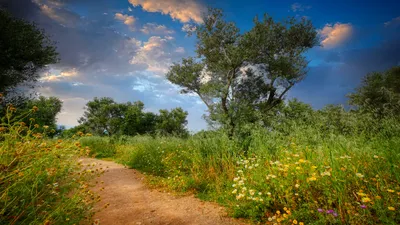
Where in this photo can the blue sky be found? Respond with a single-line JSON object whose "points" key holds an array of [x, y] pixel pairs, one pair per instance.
{"points": [[123, 48]]}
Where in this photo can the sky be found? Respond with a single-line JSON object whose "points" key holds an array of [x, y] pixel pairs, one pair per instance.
{"points": [[123, 48]]}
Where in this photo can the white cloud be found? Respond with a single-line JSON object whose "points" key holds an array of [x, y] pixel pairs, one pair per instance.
{"points": [[60, 15], [127, 20], [54, 76], [157, 54], [72, 110], [153, 28], [335, 35], [182, 10], [393, 22], [297, 7]]}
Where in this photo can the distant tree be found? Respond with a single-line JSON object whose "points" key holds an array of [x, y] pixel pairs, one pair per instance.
{"points": [[136, 121], [172, 122], [242, 76], [103, 116], [379, 93], [46, 114], [25, 49]]}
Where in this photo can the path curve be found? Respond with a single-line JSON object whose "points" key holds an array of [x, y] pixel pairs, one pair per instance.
{"points": [[132, 203]]}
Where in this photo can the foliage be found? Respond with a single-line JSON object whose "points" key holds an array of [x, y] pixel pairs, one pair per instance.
{"points": [[105, 116], [99, 147], [379, 93], [242, 76], [172, 122], [41, 180], [25, 50]]}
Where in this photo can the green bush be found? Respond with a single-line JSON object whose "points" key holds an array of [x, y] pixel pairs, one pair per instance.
{"points": [[99, 147]]}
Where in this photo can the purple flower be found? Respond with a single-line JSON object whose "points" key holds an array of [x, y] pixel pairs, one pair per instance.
{"points": [[320, 210], [334, 214], [363, 206], [330, 211]]}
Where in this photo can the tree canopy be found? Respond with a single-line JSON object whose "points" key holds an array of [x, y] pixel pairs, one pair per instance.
{"points": [[240, 76], [379, 93], [104, 116], [25, 49]]}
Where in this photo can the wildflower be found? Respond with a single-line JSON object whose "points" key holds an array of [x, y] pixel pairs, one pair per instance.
{"points": [[330, 211], [268, 193], [36, 126], [314, 167], [35, 108], [269, 219], [391, 208], [390, 190], [312, 178], [359, 175], [234, 191], [320, 210], [298, 168], [363, 206], [294, 221], [236, 179], [301, 223], [375, 156], [252, 192], [233, 185], [297, 185], [240, 171], [366, 199], [326, 173], [378, 197], [259, 193], [256, 165], [334, 214]]}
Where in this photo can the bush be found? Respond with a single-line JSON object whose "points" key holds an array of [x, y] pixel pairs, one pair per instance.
{"points": [[99, 147], [41, 180]]}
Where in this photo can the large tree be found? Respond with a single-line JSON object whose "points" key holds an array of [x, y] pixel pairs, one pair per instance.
{"points": [[25, 49], [379, 93], [242, 76]]}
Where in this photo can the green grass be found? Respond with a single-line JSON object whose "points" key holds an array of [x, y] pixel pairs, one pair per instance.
{"points": [[350, 179], [99, 147]]}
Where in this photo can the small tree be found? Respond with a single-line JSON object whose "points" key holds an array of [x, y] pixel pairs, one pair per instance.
{"points": [[172, 122], [238, 76]]}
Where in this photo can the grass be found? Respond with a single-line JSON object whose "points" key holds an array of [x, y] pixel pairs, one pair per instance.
{"points": [[41, 180], [306, 178]]}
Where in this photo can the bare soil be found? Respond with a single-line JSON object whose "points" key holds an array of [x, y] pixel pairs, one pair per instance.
{"points": [[132, 203]]}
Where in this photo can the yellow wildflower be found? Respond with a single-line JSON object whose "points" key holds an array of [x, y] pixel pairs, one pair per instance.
{"points": [[294, 221], [391, 208]]}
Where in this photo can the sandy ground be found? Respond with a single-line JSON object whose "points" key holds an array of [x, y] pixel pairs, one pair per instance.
{"points": [[131, 202]]}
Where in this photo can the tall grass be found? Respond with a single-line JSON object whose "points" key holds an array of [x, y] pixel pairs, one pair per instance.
{"points": [[41, 180], [307, 177]]}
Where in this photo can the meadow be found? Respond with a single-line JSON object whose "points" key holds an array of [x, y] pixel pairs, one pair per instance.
{"points": [[308, 176]]}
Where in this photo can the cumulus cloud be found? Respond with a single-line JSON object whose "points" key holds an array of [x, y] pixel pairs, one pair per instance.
{"points": [[297, 7], [60, 15], [54, 76], [157, 54], [335, 35], [182, 10], [394, 22], [153, 28], [126, 19]]}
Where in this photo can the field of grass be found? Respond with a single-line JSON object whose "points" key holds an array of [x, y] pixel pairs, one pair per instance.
{"points": [[304, 178], [41, 179]]}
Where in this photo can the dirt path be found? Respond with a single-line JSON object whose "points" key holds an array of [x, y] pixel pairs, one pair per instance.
{"points": [[132, 203]]}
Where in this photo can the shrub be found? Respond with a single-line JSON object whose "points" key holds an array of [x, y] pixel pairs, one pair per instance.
{"points": [[99, 147]]}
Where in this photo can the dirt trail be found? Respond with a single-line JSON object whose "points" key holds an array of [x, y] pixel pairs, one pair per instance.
{"points": [[132, 203]]}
